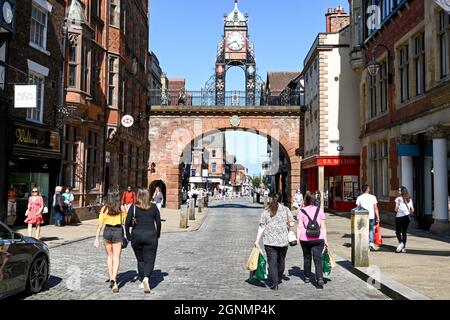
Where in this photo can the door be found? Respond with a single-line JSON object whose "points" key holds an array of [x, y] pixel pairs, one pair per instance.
{"points": [[13, 263]]}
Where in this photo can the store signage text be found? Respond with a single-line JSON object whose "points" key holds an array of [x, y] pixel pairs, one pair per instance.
{"points": [[38, 138]]}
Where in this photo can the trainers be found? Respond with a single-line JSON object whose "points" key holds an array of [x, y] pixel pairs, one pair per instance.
{"points": [[141, 286], [372, 247], [115, 289], [146, 285], [403, 250], [400, 247]]}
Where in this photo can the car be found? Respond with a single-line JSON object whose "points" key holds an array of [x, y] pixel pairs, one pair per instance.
{"points": [[24, 263]]}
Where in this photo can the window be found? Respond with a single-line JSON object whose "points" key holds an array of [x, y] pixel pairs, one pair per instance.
{"points": [[214, 153], [73, 63], [404, 73], [36, 114], [373, 96], [379, 168], [95, 77], [70, 159], [214, 167], [351, 188], [96, 7], [444, 38], [85, 67], [92, 160], [419, 63], [114, 13], [38, 35], [112, 93], [383, 81]]}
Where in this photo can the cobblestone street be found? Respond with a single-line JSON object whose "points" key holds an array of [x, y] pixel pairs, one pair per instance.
{"points": [[205, 264]]}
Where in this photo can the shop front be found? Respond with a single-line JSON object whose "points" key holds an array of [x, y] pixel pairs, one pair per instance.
{"points": [[35, 161], [340, 180]]}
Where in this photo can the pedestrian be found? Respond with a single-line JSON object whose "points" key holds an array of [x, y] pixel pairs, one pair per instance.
{"points": [[128, 198], [68, 199], [34, 212], [12, 207], [312, 245], [404, 207], [298, 199], [158, 197], [184, 195], [195, 196], [58, 206], [144, 236], [318, 200], [369, 202], [111, 218], [274, 223]]}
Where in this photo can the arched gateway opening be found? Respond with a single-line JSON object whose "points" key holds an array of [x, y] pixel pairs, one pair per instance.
{"points": [[177, 131]]}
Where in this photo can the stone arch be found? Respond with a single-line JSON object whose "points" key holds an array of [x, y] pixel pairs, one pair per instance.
{"points": [[170, 134]]}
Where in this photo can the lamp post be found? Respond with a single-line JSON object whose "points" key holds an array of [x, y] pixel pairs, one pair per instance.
{"points": [[374, 67]]}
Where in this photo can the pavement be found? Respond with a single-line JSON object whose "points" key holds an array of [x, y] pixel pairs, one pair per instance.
{"points": [[57, 236], [205, 264], [423, 271]]}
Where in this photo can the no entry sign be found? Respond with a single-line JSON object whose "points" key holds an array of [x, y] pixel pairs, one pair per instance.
{"points": [[127, 121]]}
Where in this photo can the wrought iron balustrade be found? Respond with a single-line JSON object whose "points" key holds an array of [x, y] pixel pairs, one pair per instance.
{"points": [[232, 98]]}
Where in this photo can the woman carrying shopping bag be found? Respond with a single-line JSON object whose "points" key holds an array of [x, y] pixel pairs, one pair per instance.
{"points": [[313, 237], [274, 223]]}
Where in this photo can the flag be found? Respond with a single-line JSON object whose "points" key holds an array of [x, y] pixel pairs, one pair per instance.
{"points": [[444, 4]]}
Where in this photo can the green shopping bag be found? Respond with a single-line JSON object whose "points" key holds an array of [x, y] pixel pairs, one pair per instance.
{"points": [[326, 262], [261, 271]]}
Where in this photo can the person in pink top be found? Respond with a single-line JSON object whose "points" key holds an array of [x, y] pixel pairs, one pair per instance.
{"points": [[34, 212], [313, 237]]}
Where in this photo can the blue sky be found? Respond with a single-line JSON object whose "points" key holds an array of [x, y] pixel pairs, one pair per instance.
{"points": [[184, 35]]}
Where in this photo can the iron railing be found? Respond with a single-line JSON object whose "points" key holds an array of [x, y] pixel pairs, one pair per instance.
{"points": [[232, 98]]}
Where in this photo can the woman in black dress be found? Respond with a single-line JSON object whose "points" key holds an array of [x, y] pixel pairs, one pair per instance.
{"points": [[145, 235]]}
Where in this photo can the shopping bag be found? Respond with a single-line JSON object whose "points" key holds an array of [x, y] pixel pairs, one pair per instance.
{"points": [[261, 271], [252, 263], [326, 264], [332, 261], [377, 235]]}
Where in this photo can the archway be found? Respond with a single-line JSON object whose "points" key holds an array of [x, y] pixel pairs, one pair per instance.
{"points": [[174, 129], [162, 186]]}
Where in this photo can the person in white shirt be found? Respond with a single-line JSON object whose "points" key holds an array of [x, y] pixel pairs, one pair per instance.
{"points": [[404, 207], [298, 200], [370, 203]]}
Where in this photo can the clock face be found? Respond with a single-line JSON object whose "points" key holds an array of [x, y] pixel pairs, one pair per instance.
{"points": [[235, 41], [7, 12]]}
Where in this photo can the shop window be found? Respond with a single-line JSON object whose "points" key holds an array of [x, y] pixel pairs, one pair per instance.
{"points": [[338, 188], [37, 114], [351, 188], [70, 160]]}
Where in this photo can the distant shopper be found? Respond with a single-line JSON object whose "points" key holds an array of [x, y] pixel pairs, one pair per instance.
{"points": [[184, 196], [404, 207], [58, 206], [128, 198], [145, 235], [318, 200], [68, 199], [12, 207], [370, 203], [34, 212], [298, 199], [195, 196], [158, 197], [273, 224], [313, 237], [112, 218]]}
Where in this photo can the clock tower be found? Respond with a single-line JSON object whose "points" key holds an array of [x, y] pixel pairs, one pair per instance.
{"points": [[235, 50]]}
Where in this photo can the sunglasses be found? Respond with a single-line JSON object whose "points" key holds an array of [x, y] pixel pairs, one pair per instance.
{"points": [[34, 191]]}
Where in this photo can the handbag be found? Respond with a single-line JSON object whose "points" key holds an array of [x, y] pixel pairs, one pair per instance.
{"points": [[252, 263], [292, 238], [377, 235], [326, 264], [45, 210], [261, 270]]}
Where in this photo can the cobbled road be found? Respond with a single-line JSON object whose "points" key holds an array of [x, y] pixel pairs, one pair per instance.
{"points": [[205, 264]]}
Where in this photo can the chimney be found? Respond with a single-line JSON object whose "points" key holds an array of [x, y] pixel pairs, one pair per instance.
{"points": [[337, 19]]}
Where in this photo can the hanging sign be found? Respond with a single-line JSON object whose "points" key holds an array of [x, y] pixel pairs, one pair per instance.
{"points": [[127, 121], [25, 96]]}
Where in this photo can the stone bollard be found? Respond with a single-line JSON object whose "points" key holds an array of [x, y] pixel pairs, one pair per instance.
{"points": [[200, 204], [266, 201], [184, 217], [360, 237], [191, 209]]}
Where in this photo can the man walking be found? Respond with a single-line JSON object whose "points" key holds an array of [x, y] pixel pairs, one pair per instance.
{"points": [[369, 202], [128, 198]]}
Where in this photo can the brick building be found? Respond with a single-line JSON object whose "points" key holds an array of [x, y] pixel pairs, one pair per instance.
{"points": [[30, 137], [405, 103], [106, 78], [331, 144]]}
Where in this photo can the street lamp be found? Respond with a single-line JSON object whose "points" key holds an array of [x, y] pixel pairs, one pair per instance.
{"points": [[374, 67]]}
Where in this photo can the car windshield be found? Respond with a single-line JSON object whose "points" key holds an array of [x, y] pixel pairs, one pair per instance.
{"points": [[4, 233]]}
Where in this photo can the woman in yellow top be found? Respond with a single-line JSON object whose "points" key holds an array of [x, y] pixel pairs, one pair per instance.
{"points": [[112, 218]]}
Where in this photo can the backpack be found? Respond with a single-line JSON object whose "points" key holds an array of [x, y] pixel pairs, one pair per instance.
{"points": [[313, 227]]}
